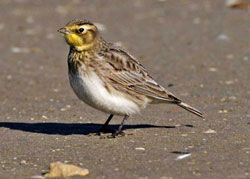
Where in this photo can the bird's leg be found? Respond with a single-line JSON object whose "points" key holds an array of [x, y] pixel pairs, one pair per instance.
{"points": [[119, 130], [104, 126]]}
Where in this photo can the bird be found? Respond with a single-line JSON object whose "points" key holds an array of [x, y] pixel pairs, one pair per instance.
{"points": [[108, 78]]}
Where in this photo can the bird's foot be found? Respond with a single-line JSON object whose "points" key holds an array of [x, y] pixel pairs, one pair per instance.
{"points": [[117, 134]]}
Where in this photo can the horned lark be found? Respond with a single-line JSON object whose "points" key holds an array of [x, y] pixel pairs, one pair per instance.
{"points": [[108, 78]]}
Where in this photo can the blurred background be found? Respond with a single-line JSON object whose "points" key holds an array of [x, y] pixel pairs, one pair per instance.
{"points": [[198, 49]]}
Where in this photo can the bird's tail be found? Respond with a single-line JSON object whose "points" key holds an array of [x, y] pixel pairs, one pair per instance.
{"points": [[191, 109]]}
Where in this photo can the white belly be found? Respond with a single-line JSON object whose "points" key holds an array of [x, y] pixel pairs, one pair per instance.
{"points": [[90, 89]]}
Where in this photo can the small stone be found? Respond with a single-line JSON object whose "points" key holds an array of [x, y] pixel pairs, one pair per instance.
{"points": [[56, 90], [181, 157], [210, 131], [223, 111], [212, 69], [30, 20], [23, 162], [223, 99], [19, 50], [223, 37], [245, 58], [45, 117], [230, 56], [9, 77], [140, 148], [229, 82], [165, 177], [63, 109], [232, 98], [62, 170]]}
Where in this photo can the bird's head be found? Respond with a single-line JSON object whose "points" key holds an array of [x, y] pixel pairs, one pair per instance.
{"points": [[80, 34]]}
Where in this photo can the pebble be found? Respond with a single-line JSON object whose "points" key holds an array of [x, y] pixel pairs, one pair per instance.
{"points": [[223, 99], [229, 82], [212, 69], [29, 20], [9, 77], [164, 177], [181, 157], [45, 117], [19, 50], [56, 90], [223, 37], [23, 162], [65, 108], [230, 56], [140, 148], [245, 58], [210, 131], [223, 111], [232, 98]]}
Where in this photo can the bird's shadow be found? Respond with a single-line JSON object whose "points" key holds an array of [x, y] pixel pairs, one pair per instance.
{"points": [[70, 128]]}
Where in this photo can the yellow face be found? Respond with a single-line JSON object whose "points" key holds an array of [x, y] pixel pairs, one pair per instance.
{"points": [[82, 36]]}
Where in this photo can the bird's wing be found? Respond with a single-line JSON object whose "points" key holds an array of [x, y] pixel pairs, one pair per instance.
{"points": [[124, 72]]}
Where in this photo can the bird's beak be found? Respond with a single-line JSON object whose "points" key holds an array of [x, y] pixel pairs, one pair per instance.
{"points": [[63, 30]]}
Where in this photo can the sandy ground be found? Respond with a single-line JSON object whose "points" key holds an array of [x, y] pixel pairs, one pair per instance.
{"points": [[200, 47]]}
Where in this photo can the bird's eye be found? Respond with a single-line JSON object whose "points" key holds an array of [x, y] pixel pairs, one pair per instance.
{"points": [[81, 29]]}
